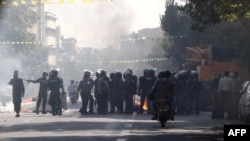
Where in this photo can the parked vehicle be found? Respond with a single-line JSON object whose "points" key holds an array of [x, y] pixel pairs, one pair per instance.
{"points": [[244, 103]]}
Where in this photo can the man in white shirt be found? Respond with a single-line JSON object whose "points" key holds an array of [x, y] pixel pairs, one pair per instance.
{"points": [[225, 95]]}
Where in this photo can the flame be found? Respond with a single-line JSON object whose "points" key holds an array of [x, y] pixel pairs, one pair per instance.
{"points": [[145, 105], [137, 102], [28, 100]]}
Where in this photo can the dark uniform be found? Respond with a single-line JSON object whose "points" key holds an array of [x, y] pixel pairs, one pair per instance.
{"points": [[198, 89], [55, 83], [96, 94], [146, 83], [116, 92], [129, 91], [215, 84], [17, 92], [42, 94], [119, 92], [85, 87], [163, 89], [103, 89], [237, 85]]}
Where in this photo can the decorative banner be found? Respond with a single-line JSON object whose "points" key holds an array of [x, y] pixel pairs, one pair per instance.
{"points": [[122, 61], [99, 41], [35, 2]]}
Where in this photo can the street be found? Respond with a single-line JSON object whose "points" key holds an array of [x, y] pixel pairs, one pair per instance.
{"points": [[111, 127]]}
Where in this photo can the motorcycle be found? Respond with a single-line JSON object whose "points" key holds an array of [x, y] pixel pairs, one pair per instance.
{"points": [[163, 112]]}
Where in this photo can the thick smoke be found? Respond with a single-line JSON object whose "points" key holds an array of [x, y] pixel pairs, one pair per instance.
{"points": [[95, 21]]}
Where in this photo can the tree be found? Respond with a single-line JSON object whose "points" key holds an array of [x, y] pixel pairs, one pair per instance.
{"points": [[208, 12], [18, 34], [176, 26]]}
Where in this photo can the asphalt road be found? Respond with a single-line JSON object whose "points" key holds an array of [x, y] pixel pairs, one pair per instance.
{"points": [[72, 126]]}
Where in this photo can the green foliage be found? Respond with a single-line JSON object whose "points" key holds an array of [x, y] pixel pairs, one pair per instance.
{"points": [[208, 12], [233, 14], [175, 24], [18, 25], [221, 35], [203, 13]]}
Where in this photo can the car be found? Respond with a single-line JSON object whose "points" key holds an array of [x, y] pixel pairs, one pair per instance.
{"points": [[244, 102]]}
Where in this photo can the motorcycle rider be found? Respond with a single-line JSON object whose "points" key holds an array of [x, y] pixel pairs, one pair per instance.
{"points": [[163, 89]]}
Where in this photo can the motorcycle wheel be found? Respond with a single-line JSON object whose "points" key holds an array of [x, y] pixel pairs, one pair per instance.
{"points": [[163, 124]]}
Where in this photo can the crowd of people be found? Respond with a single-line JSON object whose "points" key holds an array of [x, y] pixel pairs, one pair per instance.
{"points": [[116, 90], [182, 89], [226, 95], [53, 83]]}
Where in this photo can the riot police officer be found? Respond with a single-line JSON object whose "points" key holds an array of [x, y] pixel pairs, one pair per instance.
{"points": [[43, 92], [85, 87], [55, 83]]}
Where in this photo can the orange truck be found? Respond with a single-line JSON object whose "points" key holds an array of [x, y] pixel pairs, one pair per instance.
{"points": [[201, 58]]}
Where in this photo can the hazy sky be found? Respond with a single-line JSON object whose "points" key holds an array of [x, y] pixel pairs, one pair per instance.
{"points": [[107, 20]]}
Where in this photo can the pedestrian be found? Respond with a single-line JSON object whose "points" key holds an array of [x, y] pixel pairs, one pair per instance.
{"points": [[85, 88], [72, 89], [215, 97], [76, 85], [42, 93], [237, 85], [18, 91], [225, 96], [55, 83]]}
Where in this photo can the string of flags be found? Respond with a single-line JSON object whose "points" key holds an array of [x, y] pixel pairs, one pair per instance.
{"points": [[96, 41], [123, 61], [35, 2]]}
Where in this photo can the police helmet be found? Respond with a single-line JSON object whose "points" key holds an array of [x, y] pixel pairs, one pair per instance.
{"points": [[45, 74], [119, 75], [54, 73], [145, 71], [167, 74], [87, 74], [112, 75], [194, 74], [103, 73], [160, 75]]}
